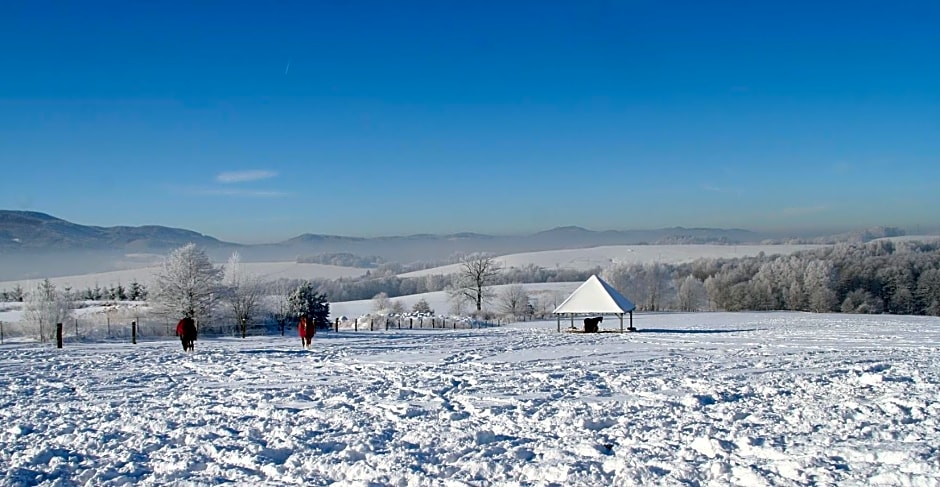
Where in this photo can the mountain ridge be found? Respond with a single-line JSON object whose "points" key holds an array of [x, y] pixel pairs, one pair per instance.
{"points": [[41, 231]]}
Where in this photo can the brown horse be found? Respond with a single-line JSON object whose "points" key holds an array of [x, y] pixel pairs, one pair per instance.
{"points": [[186, 329], [306, 331]]}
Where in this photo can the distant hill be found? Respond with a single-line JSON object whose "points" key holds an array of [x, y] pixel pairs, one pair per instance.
{"points": [[33, 231]]}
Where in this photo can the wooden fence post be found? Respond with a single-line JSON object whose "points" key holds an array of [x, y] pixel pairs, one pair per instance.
{"points": [[134, 332], [1, 332], [371, 324], [58, 335], [411, 323]]}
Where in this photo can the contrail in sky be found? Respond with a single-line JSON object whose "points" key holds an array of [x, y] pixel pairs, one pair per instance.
{"points": [[288, 67]]}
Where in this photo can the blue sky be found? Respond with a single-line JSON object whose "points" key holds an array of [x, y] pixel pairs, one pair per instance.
{"points": [[255, 122]]}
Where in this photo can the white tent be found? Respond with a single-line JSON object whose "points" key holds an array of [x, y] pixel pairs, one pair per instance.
{"points": [[595, 297]]}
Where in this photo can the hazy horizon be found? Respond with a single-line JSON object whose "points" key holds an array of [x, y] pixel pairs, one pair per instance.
{"points": [[780, 233], [370, 119]]}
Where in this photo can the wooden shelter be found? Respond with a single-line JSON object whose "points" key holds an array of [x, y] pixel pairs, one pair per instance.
{"points": [[595, 297]]}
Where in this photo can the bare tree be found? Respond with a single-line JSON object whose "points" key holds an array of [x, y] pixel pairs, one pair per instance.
{"points": [[381, 303], [243, 293], [514, 301], [279, 303], [188, 284], [477, 273], [46, 306]]}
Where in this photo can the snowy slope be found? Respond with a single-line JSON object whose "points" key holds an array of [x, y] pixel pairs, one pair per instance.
{"points": [[267, 271], [585, 259], [692, 399]]}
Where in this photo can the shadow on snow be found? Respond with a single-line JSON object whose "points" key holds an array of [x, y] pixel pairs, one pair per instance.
{"points": [[694, 332]]}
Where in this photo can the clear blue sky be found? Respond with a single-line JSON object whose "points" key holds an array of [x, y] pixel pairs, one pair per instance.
{"points": [[255, 122]]}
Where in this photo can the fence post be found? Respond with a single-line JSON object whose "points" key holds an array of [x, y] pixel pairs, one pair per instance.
{"points": [[1, 332], [76, 327], [356, 325], [58, 335], [134, 332], [411, 323], [371, 324], [386, 324]]}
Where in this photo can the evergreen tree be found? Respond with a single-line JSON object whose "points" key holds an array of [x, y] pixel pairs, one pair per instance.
{"points": [[137, 292], [422, 306], [305, 302]]}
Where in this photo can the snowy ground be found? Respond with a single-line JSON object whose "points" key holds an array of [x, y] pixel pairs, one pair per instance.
{"points": [[691, 399]]}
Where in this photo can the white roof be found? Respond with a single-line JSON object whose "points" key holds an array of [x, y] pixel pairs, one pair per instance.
{"points": [[595, 297]]}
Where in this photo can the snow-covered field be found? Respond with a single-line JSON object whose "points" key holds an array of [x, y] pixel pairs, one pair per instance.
{"points": [[265, 271], [691, 399], [581, 259], [549, 294], [606, 256]]}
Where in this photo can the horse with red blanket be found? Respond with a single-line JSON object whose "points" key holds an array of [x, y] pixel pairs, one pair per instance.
{"points": [[306, 330], [186, 330]]}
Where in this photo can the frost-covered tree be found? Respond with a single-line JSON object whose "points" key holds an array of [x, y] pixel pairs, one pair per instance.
{"points": [[46, 306], [691, 294], [242, 293], [306, 302], [188, 284], [928, 291], [381, 303], [477, 273], [820, 279], [278, 294], [397, 307], [514, 301]]}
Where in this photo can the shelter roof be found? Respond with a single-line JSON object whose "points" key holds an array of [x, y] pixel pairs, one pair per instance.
{"points": [[595, 296]]}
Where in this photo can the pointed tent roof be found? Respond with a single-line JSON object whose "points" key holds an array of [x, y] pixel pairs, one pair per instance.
{"points": [[595, 297]]}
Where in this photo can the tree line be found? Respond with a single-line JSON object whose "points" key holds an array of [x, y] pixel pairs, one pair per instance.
{"points": [[135, 291], [876, 277]]}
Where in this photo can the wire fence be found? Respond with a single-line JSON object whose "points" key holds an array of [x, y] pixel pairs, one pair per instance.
{"points": [[149, 327]]}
